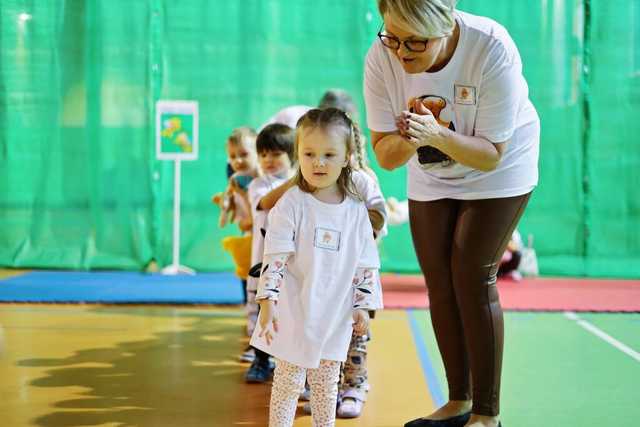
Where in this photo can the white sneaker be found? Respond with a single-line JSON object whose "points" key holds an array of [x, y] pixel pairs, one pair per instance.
{"points": [[351, 402]]}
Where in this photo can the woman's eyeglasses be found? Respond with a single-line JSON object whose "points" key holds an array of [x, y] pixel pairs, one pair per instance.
{"points": [[393, 42]]}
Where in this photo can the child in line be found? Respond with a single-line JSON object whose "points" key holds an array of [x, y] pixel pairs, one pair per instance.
{"points": [[319, 260], [243, 162], [511, 258], [235, 208], [275, 155], [354, 383]]}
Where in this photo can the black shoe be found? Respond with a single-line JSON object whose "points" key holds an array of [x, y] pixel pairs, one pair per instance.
{"points": [[457, 421], [259, 372]]}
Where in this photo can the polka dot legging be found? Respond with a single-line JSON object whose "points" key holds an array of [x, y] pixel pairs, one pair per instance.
{"points": [[288, 383]]}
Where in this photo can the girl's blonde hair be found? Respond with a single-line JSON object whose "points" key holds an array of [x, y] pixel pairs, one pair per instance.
{"points": [[340, 99], [337, 123], [243, 135], [425, 18]]}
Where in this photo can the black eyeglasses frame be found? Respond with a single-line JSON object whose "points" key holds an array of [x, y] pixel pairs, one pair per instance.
{"points": [[382, 38]]}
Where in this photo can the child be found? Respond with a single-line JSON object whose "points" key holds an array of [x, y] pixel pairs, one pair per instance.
{"points": [[319, 260], [354, 383], [275, 155], [511, 258], [235, 207], [241, 152]]}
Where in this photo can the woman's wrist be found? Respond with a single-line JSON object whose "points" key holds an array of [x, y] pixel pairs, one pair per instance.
{"points": [[393, 150], [441, 140]]}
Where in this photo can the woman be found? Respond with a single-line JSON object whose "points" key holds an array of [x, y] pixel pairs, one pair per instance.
{"points": [[470, 141]]}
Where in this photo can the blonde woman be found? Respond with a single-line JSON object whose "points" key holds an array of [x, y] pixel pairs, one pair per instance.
{"points": [[445, 95]]}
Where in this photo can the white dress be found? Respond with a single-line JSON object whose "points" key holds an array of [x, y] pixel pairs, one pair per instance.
{"points": [[327, 242]]}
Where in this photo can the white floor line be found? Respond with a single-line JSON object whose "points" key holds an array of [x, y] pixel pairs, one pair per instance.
{"points": [[603, 335]]}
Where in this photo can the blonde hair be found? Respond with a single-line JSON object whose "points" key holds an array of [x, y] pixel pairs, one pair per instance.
{"points": [[329, 120], [243, 135], [425, 18], [340, 99]]}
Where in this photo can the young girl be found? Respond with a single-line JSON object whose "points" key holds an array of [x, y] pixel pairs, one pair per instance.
{"points": [[319, 260], [354, 383]]}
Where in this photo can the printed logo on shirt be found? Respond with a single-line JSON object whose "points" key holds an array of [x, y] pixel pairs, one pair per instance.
{"points": [[465, 95], [327, 239]]}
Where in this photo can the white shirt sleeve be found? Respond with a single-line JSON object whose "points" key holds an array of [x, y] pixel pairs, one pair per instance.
{"points": [[380, 117], [369, 256], [370, 191], [257, 190], [282, 226], [501, 93], [373, 198]]}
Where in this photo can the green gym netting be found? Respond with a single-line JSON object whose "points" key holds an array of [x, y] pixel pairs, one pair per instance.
{"points": [[80, 187]]}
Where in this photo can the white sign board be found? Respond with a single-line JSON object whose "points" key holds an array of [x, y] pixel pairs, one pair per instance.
{"points": [[177, 130]]}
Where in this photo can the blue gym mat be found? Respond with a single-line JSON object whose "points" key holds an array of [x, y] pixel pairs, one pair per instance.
{"points": [[121, 288]]}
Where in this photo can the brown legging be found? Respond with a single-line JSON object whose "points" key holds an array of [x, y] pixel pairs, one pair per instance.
{"points": [[459, 244]]}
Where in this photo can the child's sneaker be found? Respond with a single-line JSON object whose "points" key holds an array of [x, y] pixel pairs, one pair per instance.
{"points": [[351, 403], [248, 355], [259, 372]]}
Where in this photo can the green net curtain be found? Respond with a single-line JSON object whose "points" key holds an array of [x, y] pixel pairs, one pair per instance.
{"points": [[80, 186]]}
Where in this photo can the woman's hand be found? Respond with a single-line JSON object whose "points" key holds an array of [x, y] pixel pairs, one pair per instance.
{"points": [[421, 129], [268, 320], [360, 321]]}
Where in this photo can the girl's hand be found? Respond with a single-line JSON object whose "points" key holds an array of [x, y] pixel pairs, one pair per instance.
{"points": [[268, 320], [217, 199], [233, 186], [360, 321]]}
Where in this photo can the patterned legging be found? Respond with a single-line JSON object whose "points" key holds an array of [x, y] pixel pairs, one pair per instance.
{"points": [[288, 383], [354, 372]]}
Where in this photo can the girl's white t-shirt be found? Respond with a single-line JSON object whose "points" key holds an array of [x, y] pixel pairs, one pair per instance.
{"points": [[258, 188], [327, 243], [480, 92]]}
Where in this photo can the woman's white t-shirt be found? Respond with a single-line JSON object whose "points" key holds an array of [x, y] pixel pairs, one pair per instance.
{"points": [[327, 242], [481, 92]]}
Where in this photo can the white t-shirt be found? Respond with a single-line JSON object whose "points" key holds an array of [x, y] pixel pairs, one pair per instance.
{"points": [[288, 116], [258, 188], [327, 242], [372, 195], [481, 92]]}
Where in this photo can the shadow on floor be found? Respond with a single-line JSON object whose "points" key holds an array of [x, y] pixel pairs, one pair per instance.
{"points": [[186, 377]]}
